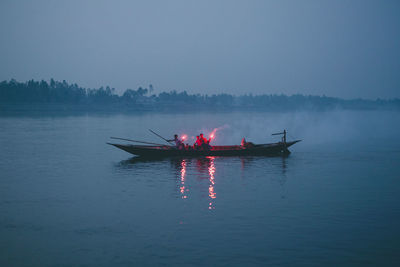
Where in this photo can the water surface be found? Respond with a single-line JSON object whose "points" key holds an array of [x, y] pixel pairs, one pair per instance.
{"points": [[67, 198]]}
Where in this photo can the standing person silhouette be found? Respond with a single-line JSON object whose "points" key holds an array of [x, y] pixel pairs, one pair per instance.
{"points": [[179, 144]]}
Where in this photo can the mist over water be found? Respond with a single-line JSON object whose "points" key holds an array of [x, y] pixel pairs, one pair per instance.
{"points": [[68, 198], [315, 128]]}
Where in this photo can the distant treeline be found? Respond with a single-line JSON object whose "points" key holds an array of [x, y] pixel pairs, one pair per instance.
{"points": [[53, 93]]}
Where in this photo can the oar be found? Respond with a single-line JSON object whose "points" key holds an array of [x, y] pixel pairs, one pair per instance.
{"points": [[136, 141], [169, 142]]}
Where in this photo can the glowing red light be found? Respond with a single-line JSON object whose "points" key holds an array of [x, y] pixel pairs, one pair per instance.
{"points": [[212, 134]]}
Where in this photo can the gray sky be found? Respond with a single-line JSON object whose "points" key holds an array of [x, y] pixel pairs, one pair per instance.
{"points": [[338, 48]]}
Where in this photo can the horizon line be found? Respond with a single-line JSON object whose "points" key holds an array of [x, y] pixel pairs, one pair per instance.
{"points": [[205, 94]]}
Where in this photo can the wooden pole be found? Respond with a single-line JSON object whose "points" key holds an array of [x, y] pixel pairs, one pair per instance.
{"points": [[169, 142], [136, 141]]}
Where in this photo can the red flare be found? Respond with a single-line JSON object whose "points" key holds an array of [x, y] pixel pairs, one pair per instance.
{"points": [[212, 134]]}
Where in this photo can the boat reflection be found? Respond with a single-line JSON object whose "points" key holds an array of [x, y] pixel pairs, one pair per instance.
{"points": [[194, 175]]}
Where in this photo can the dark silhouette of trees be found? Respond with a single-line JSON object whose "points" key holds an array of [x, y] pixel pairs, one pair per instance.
{"points": [[133, 96], [55, 92], [41, 92]]}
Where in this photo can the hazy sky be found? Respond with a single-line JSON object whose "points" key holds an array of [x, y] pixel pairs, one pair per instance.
{"points": [[337, 48]]}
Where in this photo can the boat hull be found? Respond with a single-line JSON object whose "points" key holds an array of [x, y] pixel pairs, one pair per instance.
{"points": [[274, 149]]}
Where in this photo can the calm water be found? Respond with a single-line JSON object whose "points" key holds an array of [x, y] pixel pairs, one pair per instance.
{"points": [[67, 198]]}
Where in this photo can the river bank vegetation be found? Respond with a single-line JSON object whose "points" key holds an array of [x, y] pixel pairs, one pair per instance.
{"points": [[54, 95]]}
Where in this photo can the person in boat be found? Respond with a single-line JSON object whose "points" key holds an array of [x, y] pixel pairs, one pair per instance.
{"points": [[197, 144], [205, 144], [246, 144], [179, 144], [187, 147]]}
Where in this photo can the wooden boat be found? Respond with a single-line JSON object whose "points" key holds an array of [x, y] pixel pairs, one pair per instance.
{"points": [[273, 149], [150, 151]]}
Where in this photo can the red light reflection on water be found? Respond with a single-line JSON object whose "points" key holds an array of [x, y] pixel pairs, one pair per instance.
{"points": [[211, 172], [183, 176], [205, 166]]}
